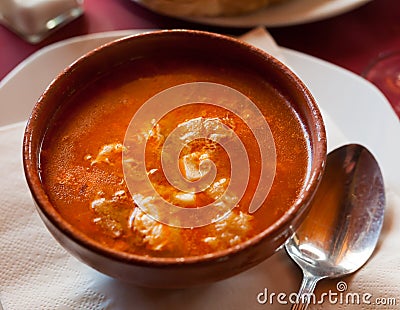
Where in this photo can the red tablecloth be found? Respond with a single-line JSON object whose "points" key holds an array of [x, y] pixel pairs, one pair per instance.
{"points": [[350, 40]]}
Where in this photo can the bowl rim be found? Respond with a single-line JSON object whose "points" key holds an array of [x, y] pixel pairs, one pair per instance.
{"points": [[48, 210]]}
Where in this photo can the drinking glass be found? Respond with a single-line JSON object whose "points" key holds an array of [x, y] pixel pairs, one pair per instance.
{"points": [[33, 20]]}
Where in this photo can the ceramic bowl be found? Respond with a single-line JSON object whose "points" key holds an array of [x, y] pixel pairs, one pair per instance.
{"points": [[171, 272]]}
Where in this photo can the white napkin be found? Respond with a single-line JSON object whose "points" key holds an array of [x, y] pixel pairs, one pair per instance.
{"points": [[37, 273]]}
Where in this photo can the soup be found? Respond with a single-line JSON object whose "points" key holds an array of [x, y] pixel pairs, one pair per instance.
{"points": [[81, 157]]}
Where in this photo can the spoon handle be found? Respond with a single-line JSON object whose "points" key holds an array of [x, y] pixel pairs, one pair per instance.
{"points": [[306, 291]]}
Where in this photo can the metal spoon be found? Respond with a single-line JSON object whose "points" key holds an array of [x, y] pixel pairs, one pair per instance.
{"points": [[341, 231]]}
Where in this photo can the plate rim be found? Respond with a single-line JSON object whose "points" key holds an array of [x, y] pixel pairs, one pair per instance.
{"points": [[243, 21]]}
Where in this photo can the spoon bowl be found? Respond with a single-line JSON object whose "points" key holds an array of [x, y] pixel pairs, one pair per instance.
{"points": [[342, 229]]}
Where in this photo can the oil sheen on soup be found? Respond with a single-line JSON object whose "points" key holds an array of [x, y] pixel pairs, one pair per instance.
{"points": [[81, 158]]}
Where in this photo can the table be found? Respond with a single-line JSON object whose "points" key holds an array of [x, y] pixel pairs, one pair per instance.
{"points": [[351, 40]]}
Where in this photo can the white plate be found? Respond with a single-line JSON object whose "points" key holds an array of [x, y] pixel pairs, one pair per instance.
{"points": [[354, 111], [287, 13]]}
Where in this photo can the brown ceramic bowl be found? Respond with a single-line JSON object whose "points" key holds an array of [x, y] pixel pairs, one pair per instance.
{"points": [[172, 272]]}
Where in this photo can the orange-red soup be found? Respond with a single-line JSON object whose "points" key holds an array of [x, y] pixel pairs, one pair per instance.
{"points": [[81, 158]]}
